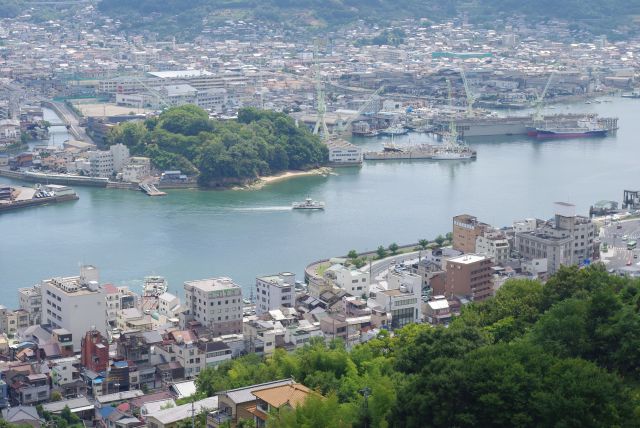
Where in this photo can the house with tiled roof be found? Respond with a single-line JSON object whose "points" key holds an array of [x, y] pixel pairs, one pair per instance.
{"points": [[273, 399]]}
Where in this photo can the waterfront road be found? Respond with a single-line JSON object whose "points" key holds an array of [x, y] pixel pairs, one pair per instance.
{"points": [[380, 268]]}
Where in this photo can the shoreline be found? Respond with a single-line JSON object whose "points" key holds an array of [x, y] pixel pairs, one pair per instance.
{"points": [[260, 182]]}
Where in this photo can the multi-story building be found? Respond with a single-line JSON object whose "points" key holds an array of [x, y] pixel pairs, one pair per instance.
{"points": [[215, 303], [31, 301], [138, 168], [343, 152], [569, 239], [117, 299], [103, 163], [76, 303], [275, 291], [469, 275], [466, 230], [495, 245], [401, 298], [169, 305], [94, 351], [12, 321], [353, 281]]}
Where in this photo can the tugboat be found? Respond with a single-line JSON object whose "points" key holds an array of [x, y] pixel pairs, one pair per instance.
{"points": [[308, 204]]}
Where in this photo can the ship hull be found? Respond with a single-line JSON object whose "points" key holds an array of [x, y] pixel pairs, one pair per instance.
{"points": [[548, 135]]}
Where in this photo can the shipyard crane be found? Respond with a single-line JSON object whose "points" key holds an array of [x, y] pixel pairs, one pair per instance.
{"points": [[471, 97], [345, 127], [321, 124], [537, 115]]}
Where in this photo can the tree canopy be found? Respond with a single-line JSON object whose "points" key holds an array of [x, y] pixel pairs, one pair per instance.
{"points": [[563, 354], [258, 143]]}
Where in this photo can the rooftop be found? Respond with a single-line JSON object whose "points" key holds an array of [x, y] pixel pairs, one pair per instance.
{"points": [[278, 396], [212, 284], [468, 259], [180, 74]]}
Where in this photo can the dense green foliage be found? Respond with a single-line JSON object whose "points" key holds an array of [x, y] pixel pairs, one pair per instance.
{"points": [[185, 18], [221, 152], [563, 354]]}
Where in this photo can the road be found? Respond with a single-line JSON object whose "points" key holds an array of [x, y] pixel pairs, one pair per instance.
{"points": [[71, 120], [379, 268]]}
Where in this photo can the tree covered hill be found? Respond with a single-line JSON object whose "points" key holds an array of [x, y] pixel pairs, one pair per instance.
{"points": [[258, 143], [562, 354], [187, 15]]}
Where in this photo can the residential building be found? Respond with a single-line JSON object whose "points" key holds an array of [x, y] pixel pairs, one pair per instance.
{"points": [[94, 351], [495, 245], [215, 352], [402, 298], [215, 303], [134, 319], [12, 321], [466, 230], [31, 301], [353, 281], [437, 311], [76, 303], [236, 404], [32, 389], [275, 291], [171, 418], [117, 299], [468, 275], [137, 169], [271, 400], [181, 346], [169, 305]]}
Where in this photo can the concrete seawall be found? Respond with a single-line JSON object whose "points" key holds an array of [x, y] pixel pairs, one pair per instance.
{"points": [[54, 178]]}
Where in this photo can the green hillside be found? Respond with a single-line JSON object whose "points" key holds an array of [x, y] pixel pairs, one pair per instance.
{"points": [[184, 17]]}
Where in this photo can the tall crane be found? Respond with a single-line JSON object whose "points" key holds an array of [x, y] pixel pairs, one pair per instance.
{"points": [[537, 115], [471, 97], [345, 127], [453, 130], [321, 124]]}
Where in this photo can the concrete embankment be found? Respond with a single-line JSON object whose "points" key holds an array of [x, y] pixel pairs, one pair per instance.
{"points": [[37, 177], [311, 269], [35, 202]]}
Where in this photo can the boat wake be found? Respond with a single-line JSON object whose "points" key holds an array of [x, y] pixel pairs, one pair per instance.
{"points": [[274, 208]]}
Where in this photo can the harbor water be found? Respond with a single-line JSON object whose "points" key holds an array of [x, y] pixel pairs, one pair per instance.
{"points": [[192, 234]]}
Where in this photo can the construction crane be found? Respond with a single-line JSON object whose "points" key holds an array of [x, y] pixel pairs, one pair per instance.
{"points": [[537, 115], [471, 98], [345, 127], [321, 124]]}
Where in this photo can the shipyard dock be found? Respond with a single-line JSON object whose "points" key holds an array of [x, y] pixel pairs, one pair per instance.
{"points": [[16, 197]]}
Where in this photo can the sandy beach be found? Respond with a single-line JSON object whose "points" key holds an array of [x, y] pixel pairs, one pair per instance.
{"points": [[270, 179]]}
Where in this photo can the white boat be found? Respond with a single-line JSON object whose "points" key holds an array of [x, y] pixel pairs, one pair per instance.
{"points": [[308, 204], [394, 130], [451, 153]]}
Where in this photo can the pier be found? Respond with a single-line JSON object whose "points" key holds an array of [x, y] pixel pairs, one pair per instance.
{"points": [[151, 189]]}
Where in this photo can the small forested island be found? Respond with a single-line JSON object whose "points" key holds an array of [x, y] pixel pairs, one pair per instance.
{"points": [[222, 153]]}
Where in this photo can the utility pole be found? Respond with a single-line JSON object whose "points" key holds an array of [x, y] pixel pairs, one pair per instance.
{"points": [[193, 411], [366, 391]]}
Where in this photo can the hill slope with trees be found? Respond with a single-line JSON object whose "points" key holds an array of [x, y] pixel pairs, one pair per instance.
{"points": [[258, 143], [186, 17], [563, 354]]}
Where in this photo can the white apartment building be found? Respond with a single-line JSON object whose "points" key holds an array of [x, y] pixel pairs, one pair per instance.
{"points": [[103, 163], [75, 303], [275, 291], [138, 168], [31, 301], [117, 299], [494, 245], [402, 298], [353, 281], [215, 303], [169, 305]]}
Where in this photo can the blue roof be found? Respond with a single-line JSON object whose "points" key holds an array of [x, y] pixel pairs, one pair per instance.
{"points": [[121, 364], [106, 411]]}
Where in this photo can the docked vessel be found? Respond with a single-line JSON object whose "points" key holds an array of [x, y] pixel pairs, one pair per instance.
{"points": [[308, 204], [154, 286], [14, 197], [585, 128], [394, 130], [634, 94]]}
